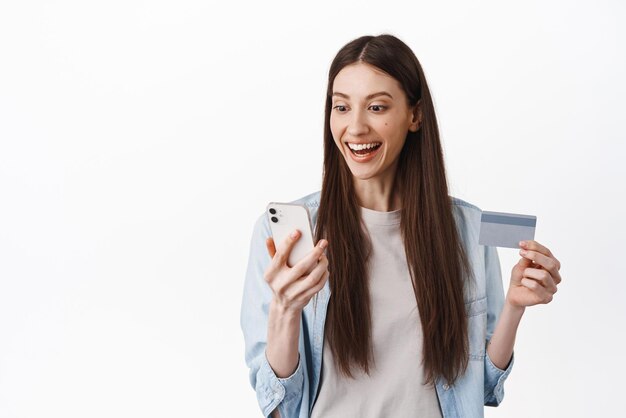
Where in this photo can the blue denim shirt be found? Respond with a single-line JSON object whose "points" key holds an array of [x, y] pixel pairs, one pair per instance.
{"points": [[481, 384]]}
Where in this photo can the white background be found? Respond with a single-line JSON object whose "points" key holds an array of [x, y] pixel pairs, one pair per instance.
{"points": [[140, 140]]}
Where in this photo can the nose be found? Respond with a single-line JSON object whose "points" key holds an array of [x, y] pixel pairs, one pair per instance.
{"points": [[357, 125]]}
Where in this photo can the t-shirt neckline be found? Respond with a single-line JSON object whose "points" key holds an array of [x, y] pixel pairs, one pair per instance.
{"points": [[374, 217]]}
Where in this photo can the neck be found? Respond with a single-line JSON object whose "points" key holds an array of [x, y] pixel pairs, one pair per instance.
{"points": [[378, 193]]}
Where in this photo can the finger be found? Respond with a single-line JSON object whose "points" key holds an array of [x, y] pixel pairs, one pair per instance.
{"points": [[556, 276], [525, 262], [541, 293], [278, 258], [306, 264], [543, 277], [307, 294], [319, 286], [271, 247], [544, 261], [284, 248], [313, 279], [325, 246], [535, 246]]}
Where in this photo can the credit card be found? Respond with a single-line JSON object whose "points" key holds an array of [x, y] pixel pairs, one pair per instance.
{"points": [[501, 229]]}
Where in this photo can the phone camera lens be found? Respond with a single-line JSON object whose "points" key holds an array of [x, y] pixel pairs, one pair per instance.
{"points": [[273, 211], [274, 219]]}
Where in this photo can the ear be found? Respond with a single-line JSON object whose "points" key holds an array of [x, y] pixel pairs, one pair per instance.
{"points": [[416, 120]]}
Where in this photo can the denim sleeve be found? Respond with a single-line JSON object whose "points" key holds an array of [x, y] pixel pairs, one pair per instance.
{"points": [[494, 376], [271, 391]]}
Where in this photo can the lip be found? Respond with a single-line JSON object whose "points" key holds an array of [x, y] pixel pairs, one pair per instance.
{"points": [[366, 158], [361, 143]]}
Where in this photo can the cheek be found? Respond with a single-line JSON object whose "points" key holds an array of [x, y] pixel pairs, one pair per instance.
{"points": [[386, 126], [338, 146], [394, 131], [336, 140], [333, 127], [336, 133]]}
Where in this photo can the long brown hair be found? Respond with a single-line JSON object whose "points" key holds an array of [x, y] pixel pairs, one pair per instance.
{"points": [[436, 259]]}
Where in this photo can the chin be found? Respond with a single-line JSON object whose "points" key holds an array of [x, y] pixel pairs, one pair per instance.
{"points": [[362, 174]]}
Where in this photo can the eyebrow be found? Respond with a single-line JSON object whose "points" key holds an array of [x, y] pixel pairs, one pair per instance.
{"points": [[380, 93]]}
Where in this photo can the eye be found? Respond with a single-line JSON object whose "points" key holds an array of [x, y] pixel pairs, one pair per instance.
{"points": [[340, 110], [379, 107]]}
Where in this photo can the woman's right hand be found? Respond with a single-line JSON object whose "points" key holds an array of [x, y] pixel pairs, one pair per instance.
{"points": [[294, 287]]}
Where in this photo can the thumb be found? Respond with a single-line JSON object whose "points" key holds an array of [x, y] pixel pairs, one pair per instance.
{"points": [[525, 262], [521, 265], [271, 247]]}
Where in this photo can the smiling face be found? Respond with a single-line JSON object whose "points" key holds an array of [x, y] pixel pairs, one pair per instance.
{"points": [[370, 110]]}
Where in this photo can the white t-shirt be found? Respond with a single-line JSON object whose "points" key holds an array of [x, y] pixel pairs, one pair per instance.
{"points": [[395, 387]]}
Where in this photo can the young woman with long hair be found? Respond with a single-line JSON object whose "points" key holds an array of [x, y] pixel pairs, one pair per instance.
{"points": [[418, 323]]}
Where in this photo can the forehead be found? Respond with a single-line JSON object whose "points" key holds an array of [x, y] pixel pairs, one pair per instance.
{"points": [[360, 79]]}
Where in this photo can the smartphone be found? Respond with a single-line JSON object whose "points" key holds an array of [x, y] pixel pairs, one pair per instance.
{"points": [[284, 218]]}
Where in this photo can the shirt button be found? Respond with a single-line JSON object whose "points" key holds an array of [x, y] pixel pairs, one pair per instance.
{"points": [[445, 386]]}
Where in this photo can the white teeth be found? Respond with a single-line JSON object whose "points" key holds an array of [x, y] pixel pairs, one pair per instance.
{"points": [[362, 146]]}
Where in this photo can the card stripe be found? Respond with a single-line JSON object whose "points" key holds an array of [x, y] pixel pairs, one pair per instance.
{"points": [[508, 220]]}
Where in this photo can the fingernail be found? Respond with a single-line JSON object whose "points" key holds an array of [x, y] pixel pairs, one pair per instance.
{"points": [[294, 234], [522, 243], [323, 244], [522, 252]]}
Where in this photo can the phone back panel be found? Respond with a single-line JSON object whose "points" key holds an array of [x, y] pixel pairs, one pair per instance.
{"points": [[287, 217]]}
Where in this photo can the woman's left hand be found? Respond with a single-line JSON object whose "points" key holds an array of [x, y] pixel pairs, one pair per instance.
{"points": [[534, 278]]}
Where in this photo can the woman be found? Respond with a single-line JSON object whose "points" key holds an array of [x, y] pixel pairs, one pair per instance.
{"points": [[418, 324]]}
